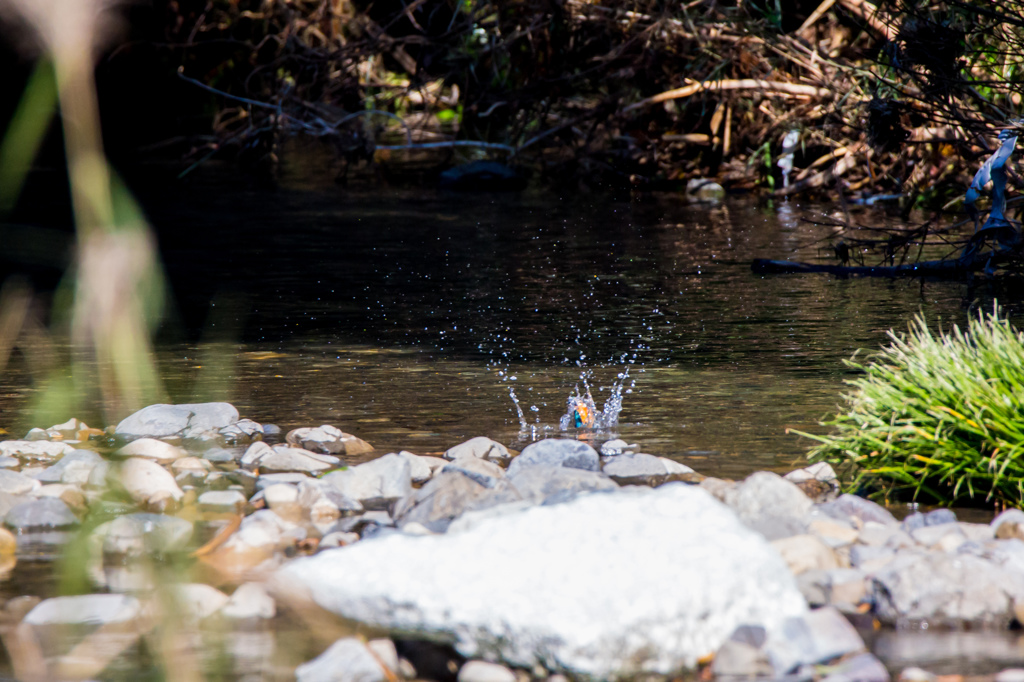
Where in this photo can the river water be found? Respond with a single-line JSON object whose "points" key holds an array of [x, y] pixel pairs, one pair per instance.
{"points": [[405, 316]]}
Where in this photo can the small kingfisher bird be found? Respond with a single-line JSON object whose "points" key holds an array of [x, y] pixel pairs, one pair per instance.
{"points": [[582, 411]]}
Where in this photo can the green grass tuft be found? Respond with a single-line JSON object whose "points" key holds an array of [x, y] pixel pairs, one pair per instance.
{"points": [[936, 418]]}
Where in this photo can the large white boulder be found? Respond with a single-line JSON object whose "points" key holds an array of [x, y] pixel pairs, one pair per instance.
{"points": [[608, 584]]}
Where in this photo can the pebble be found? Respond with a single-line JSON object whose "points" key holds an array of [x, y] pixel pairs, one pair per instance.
{"points": [[375, 484], [81, 467], [328, 439]]}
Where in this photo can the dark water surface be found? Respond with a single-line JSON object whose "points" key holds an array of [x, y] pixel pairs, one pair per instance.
{"points": [[405, 316]]}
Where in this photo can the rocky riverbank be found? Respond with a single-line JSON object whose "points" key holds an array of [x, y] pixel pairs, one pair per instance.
{"points": [[572, 558]]}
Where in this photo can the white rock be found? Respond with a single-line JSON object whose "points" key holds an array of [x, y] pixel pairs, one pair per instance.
{"points": [[151, 448], [188, 420], [14, 483], [34, 449], [604, 585], [147, 481]]}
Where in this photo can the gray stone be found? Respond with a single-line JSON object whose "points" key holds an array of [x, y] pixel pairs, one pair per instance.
{"points": [[482, 671], [1010, 675], [254, 453], [846, 586], [551, 601], [563, 452], [219, 455], [482, 448], [819, 471], [347, 660], [148, 482], [14, 483], [616, 446], [9, 462], [187, 420], [86, 609], [82, 467], [480, 470], [1009, 524], [812, 638], [932, 518], [769, 504], [327, 439], [702, 190], [932, 535], [282, 458], [548, 484], [868, 556], [419, 467], [376, 484], [151, 448], [34, 449], [814, 585], [47, 513], [946, 589], [444, 498], [641, 469], [242, 430], [850, 506], [744, 655], [860, 668]]}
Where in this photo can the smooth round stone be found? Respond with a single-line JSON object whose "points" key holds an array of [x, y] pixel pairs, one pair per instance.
{"points": [[42, 514], [148, 482], [81, 467], [9, 462], [482, 448]]}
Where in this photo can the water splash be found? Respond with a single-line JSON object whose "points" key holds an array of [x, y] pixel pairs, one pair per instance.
{"points": [[581, 410], [523, 426]]}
